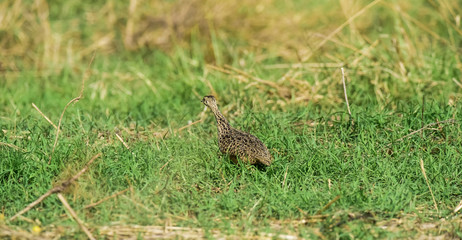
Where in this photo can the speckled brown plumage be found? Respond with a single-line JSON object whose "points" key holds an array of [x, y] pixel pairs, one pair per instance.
{"points": [[237, 143]]}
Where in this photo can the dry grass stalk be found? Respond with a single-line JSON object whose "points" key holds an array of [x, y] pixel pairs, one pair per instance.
{"points": [[253, 207], [285, 176], [122, 141], [303, 65], [428, 184], [458, 207], [345, 92], [44, 116], [12, 146], [282, 91], [247, 75], [138, 204], [56, 189], [457, 82], [327, 205], [337, 30], [14, 233], [189, 125], [163, 166], [168, 232], [289, 89], [74, 215], [219, 69], [423, 128], [106, 198], [422, 26], [153, 232], [87, 74], [128, 41]]}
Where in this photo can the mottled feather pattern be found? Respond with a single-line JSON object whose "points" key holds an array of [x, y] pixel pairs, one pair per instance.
{"points": [[237, 143]]}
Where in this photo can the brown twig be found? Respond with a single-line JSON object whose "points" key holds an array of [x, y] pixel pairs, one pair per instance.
{"points": [[55, 189], [44, 116], [74, 215], [423, 128], [428, 184], [69, 103], [327, 205], [106, 198]]}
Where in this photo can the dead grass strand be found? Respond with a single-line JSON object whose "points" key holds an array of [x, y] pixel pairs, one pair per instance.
{"points": [[44, 116], [338, 29], [56, 189], [346, 95], [74, 215], [87, 74], [422, 167], [424, 128], [13, 146], [106, 198]]}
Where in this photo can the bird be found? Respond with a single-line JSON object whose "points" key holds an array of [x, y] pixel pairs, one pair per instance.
{"points": [[237, 143]]}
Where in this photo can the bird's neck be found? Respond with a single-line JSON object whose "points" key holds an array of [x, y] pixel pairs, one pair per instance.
{"points": [[222, 124]]}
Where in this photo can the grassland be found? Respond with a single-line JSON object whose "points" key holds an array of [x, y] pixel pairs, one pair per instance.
{"points": [[391, 169]]}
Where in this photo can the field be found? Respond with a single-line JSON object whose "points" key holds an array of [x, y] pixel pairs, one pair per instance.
{"points": [[119, 83]]}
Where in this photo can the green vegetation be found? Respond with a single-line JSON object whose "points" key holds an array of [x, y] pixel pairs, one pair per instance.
{"points": [[275, 68]]}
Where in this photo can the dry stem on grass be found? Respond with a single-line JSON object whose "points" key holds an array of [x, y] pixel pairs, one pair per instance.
{"points": [[328, 205], [87, 74], [189, 125], [13, 146], [422, 167], [345, 92], [289, 88], [44, 116], [282, 91], [74, 215], [56, 189], [337, 30], [122, 141], [418, 229], [424, 128], [169, 232], [458, 207], [106, 198]]}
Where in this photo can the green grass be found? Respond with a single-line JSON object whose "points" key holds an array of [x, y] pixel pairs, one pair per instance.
{"points": [[179, 178]]}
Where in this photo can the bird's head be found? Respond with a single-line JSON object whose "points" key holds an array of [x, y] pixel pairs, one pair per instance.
{"points": [[210, 101]]}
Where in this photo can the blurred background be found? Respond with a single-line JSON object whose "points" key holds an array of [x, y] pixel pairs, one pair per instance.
{"points": [[289, 52]]}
